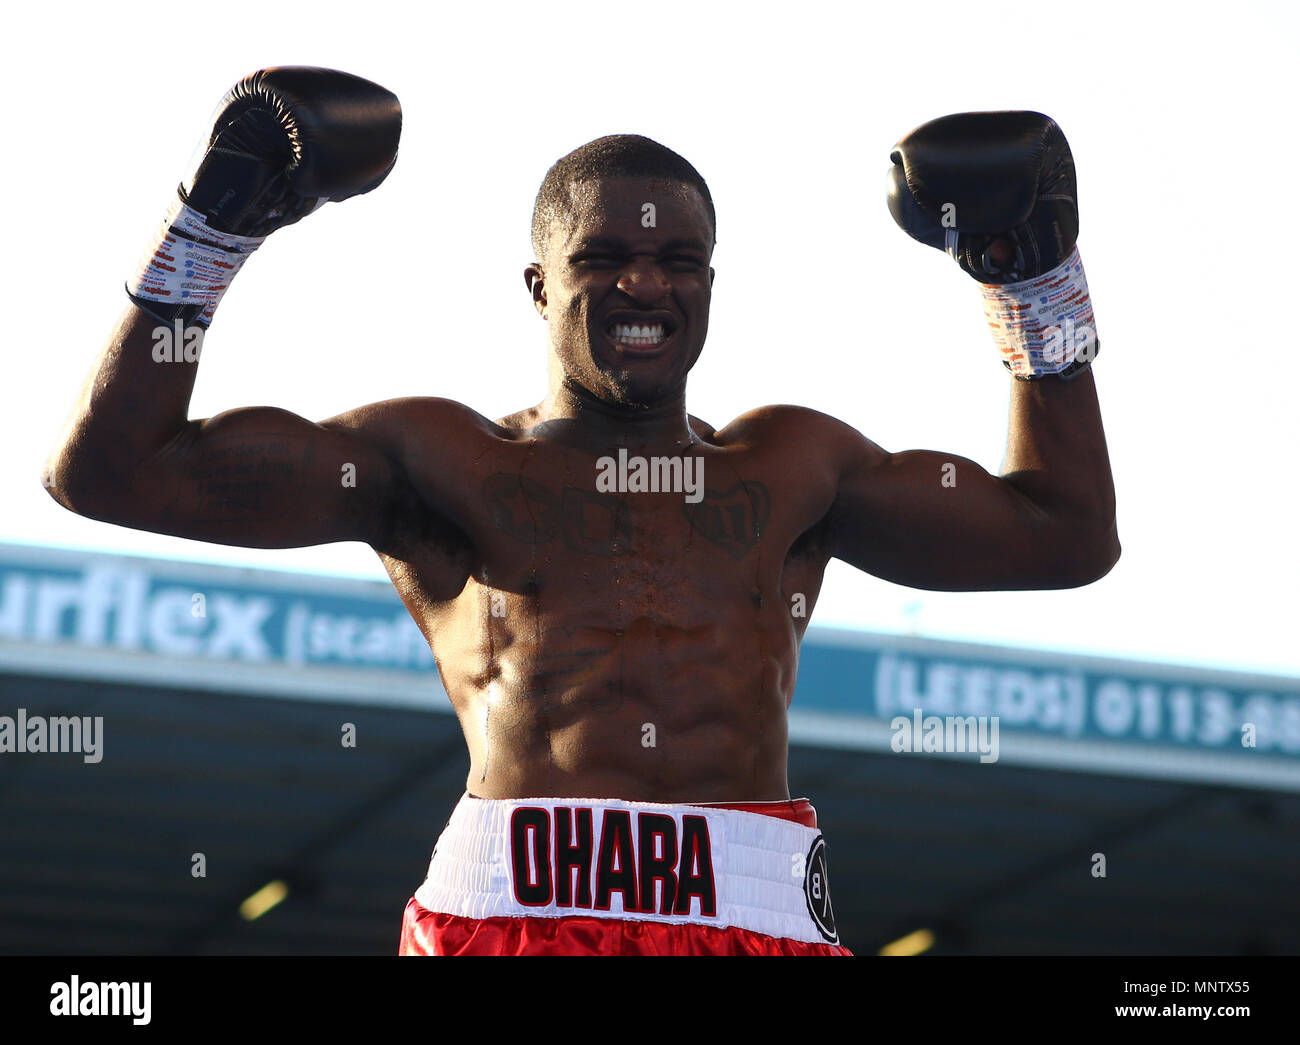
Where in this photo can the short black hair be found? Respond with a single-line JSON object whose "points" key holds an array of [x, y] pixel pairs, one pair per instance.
{"points": [[614, 156]]}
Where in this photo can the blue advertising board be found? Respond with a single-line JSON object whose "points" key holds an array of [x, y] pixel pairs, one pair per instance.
{"points": [[223, 629]]}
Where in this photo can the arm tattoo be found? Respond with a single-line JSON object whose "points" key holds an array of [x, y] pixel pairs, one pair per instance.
{"points": [[238, 476]]}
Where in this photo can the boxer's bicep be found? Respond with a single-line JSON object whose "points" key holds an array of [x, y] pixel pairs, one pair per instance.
{"points": [[262, 477], [941, 522]]}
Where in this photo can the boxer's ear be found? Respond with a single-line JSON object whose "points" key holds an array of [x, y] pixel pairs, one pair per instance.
{"points": [[535, 281]]}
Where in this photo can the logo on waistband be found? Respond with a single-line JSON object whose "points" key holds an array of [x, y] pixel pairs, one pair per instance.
{"points": [[817, 890]]}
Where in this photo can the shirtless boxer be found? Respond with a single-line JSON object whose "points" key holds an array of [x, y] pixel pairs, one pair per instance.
{"points": [[621, 653]]}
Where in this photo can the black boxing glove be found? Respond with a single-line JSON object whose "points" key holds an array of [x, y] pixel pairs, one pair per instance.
{"points": [[997, 191], [283, 142]]}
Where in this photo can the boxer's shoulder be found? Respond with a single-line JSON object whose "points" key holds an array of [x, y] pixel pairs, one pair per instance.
{"points": [[421, 423], [438, 411], [801, 434], [764, 422]]}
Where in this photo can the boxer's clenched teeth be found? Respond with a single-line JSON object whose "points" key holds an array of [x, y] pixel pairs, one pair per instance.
{"points": [[640, 336]]}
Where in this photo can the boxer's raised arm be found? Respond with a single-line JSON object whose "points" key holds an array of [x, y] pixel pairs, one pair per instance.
{"points": [[996, 191], [941, 522], [282, 142]]}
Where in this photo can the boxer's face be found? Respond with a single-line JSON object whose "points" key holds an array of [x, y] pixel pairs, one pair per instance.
{"points": [[625, 287]]}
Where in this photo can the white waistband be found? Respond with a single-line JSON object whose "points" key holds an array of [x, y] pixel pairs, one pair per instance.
{"points": [[641, 861]]}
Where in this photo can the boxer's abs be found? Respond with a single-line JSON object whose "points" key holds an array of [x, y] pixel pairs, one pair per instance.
{"points": [[567, 705], [596, 687]]}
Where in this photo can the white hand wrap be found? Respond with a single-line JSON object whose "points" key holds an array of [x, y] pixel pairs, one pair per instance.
{"points": [[1043, 325], [190, 263]]}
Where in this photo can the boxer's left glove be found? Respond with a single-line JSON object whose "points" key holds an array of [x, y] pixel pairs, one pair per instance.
{"points": [[997, 191], [283, 141]]}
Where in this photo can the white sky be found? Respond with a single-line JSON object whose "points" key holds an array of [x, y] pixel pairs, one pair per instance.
{"points": [[1182, 122]]}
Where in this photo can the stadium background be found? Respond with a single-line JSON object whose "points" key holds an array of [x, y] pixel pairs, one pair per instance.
{"points": [[225, 694]]}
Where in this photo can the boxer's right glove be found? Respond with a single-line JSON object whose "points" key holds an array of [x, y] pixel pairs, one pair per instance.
{"points": [[996, 190], [283, 141]]}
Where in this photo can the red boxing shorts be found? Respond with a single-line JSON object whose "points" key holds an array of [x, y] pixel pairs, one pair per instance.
{"points": [[597, 876]]}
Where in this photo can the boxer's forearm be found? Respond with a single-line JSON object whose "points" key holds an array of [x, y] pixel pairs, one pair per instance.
{"points": [[130, 406], [1056, 457]]}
